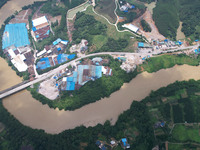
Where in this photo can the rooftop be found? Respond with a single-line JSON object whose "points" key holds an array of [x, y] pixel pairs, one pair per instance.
{"points": [[15, 34]]}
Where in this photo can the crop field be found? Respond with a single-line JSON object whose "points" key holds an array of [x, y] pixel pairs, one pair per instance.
{"points": [[184, 133], [106, 8]]}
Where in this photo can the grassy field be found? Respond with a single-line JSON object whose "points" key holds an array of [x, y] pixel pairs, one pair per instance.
{"points": [[111, 32], [167, 61], [106, 8], [183, 133], [72, 13]]}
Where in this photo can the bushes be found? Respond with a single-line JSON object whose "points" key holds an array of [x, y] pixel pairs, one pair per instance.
{"points": [[86, 27], [146, 27]]}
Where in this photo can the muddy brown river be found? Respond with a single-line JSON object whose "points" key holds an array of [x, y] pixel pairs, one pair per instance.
{"points": [[32, 113]]}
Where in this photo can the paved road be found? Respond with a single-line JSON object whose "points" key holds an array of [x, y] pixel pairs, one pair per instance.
{"points": [[54, 71]]}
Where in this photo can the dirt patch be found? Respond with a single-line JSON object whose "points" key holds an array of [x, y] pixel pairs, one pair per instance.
{"points": [[154, 34], [22, 17], [48, 89]]}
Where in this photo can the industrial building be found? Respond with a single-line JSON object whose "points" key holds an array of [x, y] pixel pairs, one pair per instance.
{"points": [[15, 45], [40, 29], [15, 34], [131, 27]]}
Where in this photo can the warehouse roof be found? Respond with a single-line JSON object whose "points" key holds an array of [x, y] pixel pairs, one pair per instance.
{"points": [[39, 21]]}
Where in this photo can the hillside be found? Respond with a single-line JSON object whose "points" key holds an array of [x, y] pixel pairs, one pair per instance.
{"points": [[168, 14]]}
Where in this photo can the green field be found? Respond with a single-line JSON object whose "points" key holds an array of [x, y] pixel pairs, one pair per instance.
{"points": [[167, 61], [182, 133], [106, 8]]}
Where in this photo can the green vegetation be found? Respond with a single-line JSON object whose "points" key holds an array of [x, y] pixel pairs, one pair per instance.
{"points": [[147, 1], [167, 15], [190, 16], [72, 3], [111, 32], [146, 27], [91, 91], [167, 61], [51, 8], [186, 133], [106, 8], [131, 14], [136, 124], [87, 28], [2, 2]]}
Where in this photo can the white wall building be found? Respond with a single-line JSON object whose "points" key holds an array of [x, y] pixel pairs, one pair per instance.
{"points": [[131, 27]]}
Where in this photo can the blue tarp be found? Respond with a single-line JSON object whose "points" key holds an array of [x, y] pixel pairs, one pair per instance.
{"points": [[140, 44], [15, 34], [34, 29], [125, 10], [59, 49], [43, 63], [196, 40], [98, 71], [57, 41], [124, 141], [70, 79], [71, 56], [75, 74], [61, 58], [132, 6], [70, 86]]}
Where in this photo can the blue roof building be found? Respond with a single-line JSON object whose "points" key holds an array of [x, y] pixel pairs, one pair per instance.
{"points": [[57, 41], [140, 44], [15, 34]]}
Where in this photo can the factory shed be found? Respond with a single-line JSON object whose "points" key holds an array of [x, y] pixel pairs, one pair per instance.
{"points": [[131, 27], [15, 34], [40, 23]]}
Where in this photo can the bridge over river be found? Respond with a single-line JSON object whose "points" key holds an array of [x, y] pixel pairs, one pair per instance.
{"points": [[44, 76]]}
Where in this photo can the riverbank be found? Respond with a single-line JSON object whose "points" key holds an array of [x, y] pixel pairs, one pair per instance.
{"points": [[12, 6], [32, 113]]}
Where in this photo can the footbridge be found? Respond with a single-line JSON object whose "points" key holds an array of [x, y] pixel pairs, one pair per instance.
{"points": [[44, 76]]}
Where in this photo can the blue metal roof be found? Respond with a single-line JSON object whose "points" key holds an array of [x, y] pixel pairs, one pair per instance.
{"points": [[57, 41], [140, 44], [15, 34]]}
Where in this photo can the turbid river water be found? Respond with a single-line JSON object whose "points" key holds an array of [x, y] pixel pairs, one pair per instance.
{"points": [[32, 113]]}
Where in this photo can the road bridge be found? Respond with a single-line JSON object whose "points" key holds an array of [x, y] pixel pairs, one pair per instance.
{"points": [[44, 76]]}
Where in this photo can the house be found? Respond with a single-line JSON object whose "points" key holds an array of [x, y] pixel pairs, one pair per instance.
{"points": [[40, 29], [124, 143], [100, 145]]}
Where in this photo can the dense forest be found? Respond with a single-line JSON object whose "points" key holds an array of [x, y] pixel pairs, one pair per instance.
{"points": [[166, 18], [167, 15], [178, 102]]}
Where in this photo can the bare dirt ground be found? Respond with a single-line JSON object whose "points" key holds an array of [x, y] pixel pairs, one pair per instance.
{"points": [[70, 28], [154, 34], [11, 6], [48, 89], [22, 17], [53, 19]]}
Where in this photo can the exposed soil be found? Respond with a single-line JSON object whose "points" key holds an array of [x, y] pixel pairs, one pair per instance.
{"points": [[154, 34]]}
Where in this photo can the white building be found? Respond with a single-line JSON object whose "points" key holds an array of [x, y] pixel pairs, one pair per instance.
{"points": [[40, 22], [131, 27], [18, 61]]}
